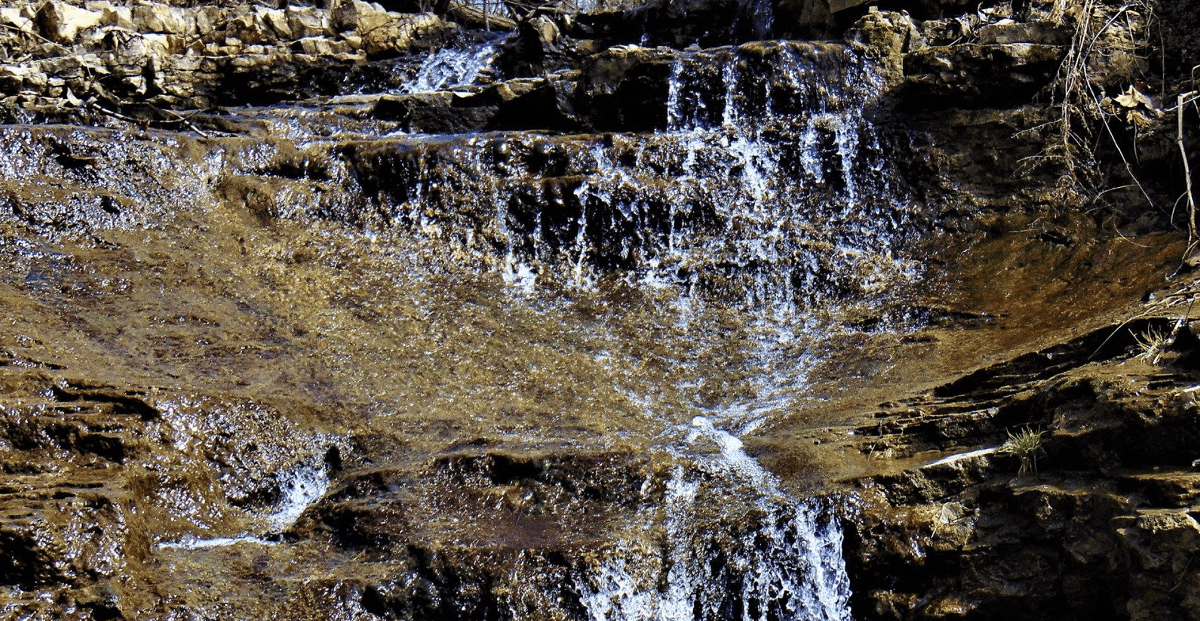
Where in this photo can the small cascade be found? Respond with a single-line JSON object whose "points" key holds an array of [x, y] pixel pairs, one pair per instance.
{"points": [[762, 215], [768, 190], [771, 558], [767, 197], [452, 67], [298, 490], [775, 142]]}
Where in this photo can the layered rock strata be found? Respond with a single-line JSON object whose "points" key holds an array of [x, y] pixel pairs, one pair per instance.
{"points": [[285, 352]]}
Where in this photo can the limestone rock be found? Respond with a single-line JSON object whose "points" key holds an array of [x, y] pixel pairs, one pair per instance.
{"points": [[206, 20], [250, 29], [545, 30], [626, 84], [1008, 31], [306, 22], [359, 17], [399, 32], [159, 18], [119, 16], [974, 75], [317, 46], [14, 79], [836, 6], [159, 46], [804, 17], [62, 23], [519, 103], [277, 21], [1165, 583], [15, 18], [888, 36]]}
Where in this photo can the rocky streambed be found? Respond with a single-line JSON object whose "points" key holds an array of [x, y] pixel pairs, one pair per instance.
{"points": [[704, 310]]}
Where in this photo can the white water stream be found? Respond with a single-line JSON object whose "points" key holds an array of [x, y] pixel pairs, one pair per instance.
{"points": [[768, 194], [452, 67], [814, 222], [298, 489], [777, 559]]}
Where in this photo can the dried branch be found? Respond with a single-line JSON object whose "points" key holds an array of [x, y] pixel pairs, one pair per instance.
{"points": [[1193, 233]]}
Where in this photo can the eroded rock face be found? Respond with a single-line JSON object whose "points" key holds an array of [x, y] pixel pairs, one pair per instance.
{"points": [[1097, 515], [202, 56], [331, 367]]}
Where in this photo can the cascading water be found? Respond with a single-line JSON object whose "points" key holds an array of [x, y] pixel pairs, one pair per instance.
{"points": [[767, 195], [713, 260], [767, 203], [770, 559], [769, 189], [452, 67], [779, 156]]}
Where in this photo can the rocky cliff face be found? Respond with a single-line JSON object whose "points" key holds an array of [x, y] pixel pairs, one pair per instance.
{"points": [[702, 310]]}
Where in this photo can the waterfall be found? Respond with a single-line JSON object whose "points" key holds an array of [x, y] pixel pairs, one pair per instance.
{"points": [[773, 184], [771, 559], [768, 189], [766, 202], [452, 67]]}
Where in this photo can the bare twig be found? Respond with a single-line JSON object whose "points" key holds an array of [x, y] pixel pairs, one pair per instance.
{"points": [[1193, 234], [186, 122], [91, 103], [34, 35]]}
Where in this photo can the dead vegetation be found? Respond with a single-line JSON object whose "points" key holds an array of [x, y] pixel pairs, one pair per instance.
{"points": [[1111, 97]]}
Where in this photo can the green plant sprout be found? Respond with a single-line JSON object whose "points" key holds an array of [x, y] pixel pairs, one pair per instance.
{"points": [[1026, 445]]}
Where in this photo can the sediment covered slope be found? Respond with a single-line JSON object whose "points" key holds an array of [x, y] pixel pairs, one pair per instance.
{"points": [[703, 310]]}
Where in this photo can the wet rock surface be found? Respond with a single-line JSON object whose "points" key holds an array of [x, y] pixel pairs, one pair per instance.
{"points": [[625, 316]]}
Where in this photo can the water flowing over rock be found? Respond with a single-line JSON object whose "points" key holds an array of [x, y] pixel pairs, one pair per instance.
{"points": [[782, 559], [767, 184], [452, 67], [603, 310]]}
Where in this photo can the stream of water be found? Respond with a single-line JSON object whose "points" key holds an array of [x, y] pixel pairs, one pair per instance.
{"points": [[699, 272], [769, 194], [452, 67], [783, 561], [769, 197]]}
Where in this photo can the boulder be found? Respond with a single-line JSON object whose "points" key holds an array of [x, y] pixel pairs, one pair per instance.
{"points": [[62, 23], [307, 22], [359, 17], [15, 19], [159, 18]]}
